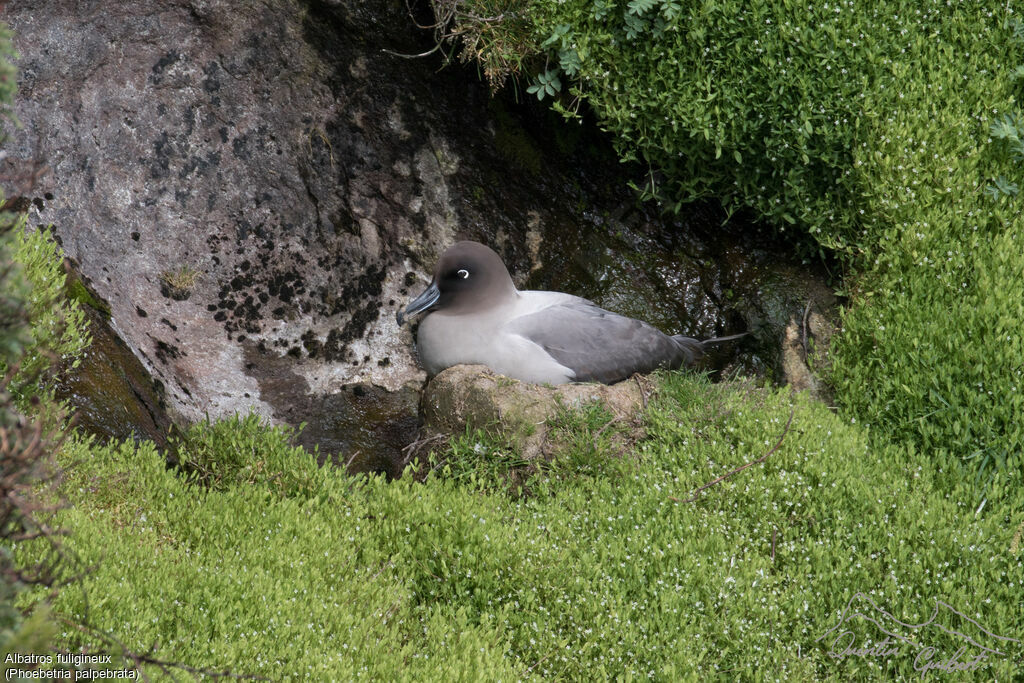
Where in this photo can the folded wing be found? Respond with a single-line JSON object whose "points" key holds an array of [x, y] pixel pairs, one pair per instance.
{"points": [[601, 346]]}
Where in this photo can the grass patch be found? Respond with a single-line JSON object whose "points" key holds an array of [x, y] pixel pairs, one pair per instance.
{"points": [[481, 458], [245, 450], [179, 283]]}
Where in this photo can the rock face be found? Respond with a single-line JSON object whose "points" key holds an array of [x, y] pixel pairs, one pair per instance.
{"points": [[127, 407], [254, 148], [256, 187], [252, 187]]}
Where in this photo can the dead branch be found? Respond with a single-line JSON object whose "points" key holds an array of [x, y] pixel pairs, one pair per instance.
{"points": [[417, 447], [643, 391], [606, 425], [419, 56], [696, 493]]}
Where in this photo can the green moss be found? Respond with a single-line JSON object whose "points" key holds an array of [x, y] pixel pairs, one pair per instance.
{"points": [[605, 571], [76, 291]]}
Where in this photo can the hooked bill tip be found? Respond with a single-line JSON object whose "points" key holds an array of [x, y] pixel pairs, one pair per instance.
{"points": [[424, 301]]}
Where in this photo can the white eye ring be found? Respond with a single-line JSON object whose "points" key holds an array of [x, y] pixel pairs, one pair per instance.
{"points": [[464, 274]]}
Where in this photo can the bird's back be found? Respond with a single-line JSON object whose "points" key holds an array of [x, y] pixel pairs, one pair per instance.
{"points": [[595, 344]]}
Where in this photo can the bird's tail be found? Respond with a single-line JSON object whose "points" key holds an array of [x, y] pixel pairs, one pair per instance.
{"points": [[721, 340], [695, 348], [692, 348]]}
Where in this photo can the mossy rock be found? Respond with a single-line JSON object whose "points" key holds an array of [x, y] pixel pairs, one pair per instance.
{"points": [[473, 397]]}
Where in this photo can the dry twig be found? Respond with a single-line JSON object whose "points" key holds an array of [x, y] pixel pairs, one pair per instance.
{"points": [[609, 423], [696, 494], [416, 447], [643, 391]]}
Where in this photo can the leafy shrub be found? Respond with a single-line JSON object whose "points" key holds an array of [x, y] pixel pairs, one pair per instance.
{"points": [[934, 356], [773, 105], [1007, 130], [29, 429]]}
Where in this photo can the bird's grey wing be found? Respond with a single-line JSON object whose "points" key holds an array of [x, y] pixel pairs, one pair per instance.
{"points": [[598, 345]]}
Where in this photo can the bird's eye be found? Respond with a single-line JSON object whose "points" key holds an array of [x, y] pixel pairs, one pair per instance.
{"points": [[464, 274]]}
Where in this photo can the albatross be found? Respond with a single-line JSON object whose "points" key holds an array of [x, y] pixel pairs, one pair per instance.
{"points": [[475, 315]]}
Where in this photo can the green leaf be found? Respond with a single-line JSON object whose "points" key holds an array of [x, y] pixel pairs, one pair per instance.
{"points": [[1007, 127], [560, 32], [639, 7]]}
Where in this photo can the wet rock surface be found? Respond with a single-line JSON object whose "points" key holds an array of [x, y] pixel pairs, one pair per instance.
{"points": [[699, 275], [110, 393], [256, 188]]}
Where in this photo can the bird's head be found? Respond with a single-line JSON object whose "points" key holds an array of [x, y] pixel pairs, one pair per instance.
{"points": [[468, 277]]}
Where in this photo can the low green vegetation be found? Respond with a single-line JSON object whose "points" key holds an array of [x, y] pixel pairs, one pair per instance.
{"points": [[889, 133], [37, 326], [55, 329], [238, 451], [605, 570], [490, 459]]}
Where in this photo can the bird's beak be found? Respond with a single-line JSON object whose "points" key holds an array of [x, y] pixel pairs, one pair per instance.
{"points": [[424, 301]]}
